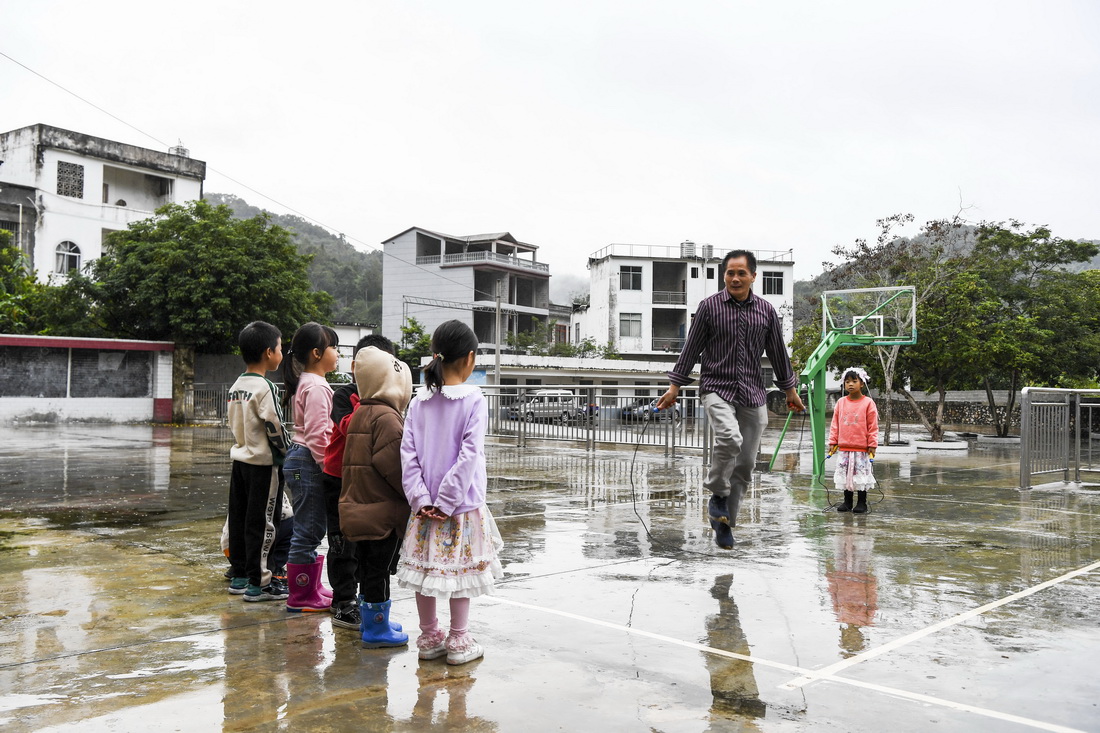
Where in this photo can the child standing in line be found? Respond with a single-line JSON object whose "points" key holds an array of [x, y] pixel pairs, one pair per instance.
{"points": [[343, 566], [854, 432], [452, 544], [256, 485], [312, 355], [373, 508]]}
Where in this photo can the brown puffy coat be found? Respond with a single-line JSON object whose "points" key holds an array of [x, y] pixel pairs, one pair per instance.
{"points": [[372, 502]]}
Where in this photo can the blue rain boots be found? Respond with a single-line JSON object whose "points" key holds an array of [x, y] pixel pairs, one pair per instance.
{"points": [[376, 631]]}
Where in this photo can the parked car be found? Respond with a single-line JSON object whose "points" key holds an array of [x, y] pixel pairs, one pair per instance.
{"points": [[585, 413], [645, 408], [634, 409], [546, 404]]}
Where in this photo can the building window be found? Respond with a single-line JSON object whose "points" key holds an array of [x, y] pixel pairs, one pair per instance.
{"points": [[694, 273], [68, 258], [10, 226], [773, 283], [630, 324], [70, 179], [630, 277], [710, 273]]}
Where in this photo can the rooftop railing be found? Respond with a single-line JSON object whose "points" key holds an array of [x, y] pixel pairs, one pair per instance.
{"points": [[677, 252]]}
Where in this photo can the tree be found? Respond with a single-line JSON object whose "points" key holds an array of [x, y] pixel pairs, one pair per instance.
{"points": [[1045, 329], [18, 288], [194, 275], [927, 261], [30, 307], [415, 344]]}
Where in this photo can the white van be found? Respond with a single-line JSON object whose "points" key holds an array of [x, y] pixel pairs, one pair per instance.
{"points": [[545, 404]]}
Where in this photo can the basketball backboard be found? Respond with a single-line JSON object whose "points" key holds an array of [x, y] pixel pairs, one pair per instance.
{"points": [[885, 316]]}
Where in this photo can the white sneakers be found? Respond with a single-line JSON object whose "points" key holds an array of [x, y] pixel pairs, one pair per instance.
{"points": [[463, 649]]}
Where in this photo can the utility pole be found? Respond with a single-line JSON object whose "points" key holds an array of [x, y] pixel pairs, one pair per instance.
{"points": [[497, 331]]}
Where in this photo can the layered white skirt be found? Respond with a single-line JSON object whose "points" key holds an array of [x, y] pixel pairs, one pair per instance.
{"points": [[458, 557], [853, 471]]}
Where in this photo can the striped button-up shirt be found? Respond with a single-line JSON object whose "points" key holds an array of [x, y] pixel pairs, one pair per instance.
{"points": [[727, 338]]}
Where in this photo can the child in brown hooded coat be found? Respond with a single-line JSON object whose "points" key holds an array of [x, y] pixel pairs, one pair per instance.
{"points": [[373, 508]]}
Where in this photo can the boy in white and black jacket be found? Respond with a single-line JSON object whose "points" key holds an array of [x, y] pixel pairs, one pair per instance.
{"points": [[260, 441]]}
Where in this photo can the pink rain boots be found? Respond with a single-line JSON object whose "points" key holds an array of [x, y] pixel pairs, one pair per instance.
{"points": [[304, 582]]}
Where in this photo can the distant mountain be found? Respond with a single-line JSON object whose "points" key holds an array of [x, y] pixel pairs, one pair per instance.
{"points": [[352, 277]]}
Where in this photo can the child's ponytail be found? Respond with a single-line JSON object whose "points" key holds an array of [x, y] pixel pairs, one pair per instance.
{"points": [[433, 373], [452, 341]]}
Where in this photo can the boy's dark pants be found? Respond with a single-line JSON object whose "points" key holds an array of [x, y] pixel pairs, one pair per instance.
{"points": [[377, 562], [255, 505], [342, 562], [367, 564]]}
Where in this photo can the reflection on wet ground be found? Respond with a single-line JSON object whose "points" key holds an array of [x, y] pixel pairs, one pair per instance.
{"points": [[960, 603]]}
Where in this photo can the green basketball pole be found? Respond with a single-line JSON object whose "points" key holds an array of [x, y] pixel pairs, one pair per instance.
{"points": [[813, 378]]}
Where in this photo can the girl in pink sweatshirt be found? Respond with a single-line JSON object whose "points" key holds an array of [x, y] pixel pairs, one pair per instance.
{"points": [[312, 355], [854, 433]]}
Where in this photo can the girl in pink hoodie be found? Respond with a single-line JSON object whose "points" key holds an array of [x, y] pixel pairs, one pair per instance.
{"points": [[854, 433]]}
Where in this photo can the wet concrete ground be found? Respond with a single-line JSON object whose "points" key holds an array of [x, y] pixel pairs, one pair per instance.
{"points": [[959, 604]]}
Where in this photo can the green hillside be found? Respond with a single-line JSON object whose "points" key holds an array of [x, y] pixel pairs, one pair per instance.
{"points": [[352, 277]]}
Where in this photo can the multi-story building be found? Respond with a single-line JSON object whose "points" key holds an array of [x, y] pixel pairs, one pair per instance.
{"points": [[62, 192], [643, 297], [435, 277]]}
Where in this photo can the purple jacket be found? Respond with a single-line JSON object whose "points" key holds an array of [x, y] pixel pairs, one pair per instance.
{"points": [[443, 449]]}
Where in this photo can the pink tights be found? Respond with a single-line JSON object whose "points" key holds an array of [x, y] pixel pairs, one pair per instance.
{"points": [[429, 622]]}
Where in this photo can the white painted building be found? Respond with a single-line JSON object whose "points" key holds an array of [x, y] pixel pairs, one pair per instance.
{"points": [[643, 297], [62, 192], [435, 277]]}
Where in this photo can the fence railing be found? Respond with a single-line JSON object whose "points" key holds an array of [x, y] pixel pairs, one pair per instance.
{"points": [[1058, 433], [206, 402], [590, 414], [596, 415]]}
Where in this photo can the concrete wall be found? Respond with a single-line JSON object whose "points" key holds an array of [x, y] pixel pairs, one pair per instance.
{"points": [[51, 379]]}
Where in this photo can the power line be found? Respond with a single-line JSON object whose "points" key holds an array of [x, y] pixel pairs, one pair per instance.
{"points": [[243, 185]]}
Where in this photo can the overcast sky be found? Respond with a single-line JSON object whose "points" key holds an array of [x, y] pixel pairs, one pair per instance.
{"points": [[572, 125]]}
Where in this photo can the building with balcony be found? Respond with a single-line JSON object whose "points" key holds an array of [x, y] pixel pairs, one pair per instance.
{"points": [[62, 192], [643, 297], [435, 277]]}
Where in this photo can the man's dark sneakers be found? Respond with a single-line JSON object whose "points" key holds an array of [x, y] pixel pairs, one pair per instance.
{"points": [[723, 535], [718, 509], [719, 515]]}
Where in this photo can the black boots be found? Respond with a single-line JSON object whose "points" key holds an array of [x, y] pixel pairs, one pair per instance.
{"points": [[861, 503]]}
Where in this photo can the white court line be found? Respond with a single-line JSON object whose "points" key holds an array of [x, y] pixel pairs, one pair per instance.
{"points": [[833, 669], [650, 635], [915, 696], [962, 707]]}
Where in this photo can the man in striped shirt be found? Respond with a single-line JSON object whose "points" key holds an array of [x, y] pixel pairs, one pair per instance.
{"points": [[731, 330]]}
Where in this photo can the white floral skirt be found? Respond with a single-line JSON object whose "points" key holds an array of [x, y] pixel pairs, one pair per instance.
{"points": [[853, 471], [458, 557]]}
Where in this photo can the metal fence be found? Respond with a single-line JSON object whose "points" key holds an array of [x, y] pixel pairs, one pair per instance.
{"points": [[624, 414], [588, 414], [206, 402], [1059, 433]]}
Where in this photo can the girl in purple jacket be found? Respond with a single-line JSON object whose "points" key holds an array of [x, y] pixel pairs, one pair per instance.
{"points": [[452, 545]]}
